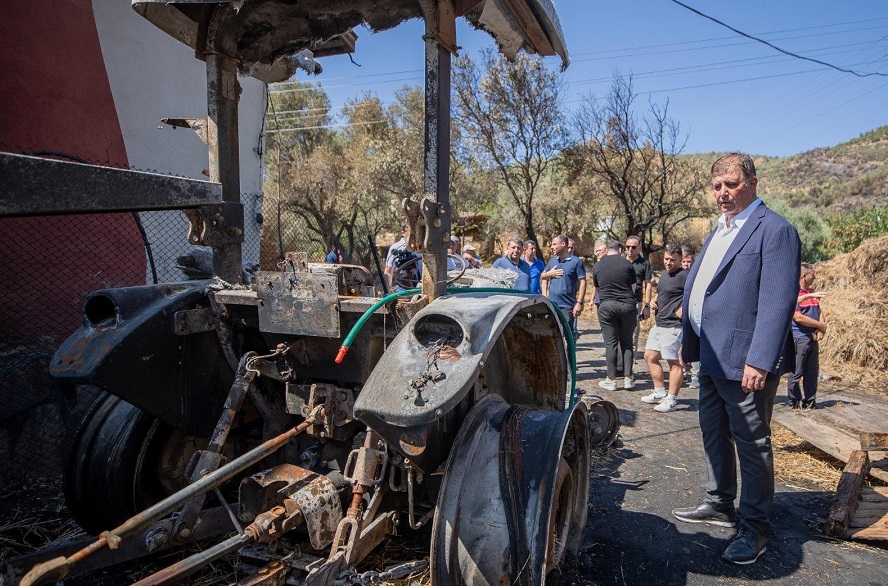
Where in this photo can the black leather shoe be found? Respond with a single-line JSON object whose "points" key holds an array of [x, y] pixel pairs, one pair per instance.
{"points": [[706, 513], [746, 547]]}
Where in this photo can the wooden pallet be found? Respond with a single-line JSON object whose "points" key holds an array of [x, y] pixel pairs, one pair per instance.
{"points": [[858, 512], [839, 428]]}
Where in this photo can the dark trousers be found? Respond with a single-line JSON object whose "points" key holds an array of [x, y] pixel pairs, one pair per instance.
{"points": [[737, 426], [806, 371], [618, 322]]}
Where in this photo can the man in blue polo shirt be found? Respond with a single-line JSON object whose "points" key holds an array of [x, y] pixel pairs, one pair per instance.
{"points": [[564, 281], [512, 261]]}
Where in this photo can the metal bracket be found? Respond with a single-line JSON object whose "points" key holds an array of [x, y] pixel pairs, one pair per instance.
{"points": [[216, 224], [437, 229], [446, 25]]}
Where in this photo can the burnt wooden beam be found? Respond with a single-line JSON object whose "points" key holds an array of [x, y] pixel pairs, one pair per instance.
{"points": [[847, 493]]}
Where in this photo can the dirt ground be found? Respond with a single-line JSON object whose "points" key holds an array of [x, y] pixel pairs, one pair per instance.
{"points": [[631, 537]]}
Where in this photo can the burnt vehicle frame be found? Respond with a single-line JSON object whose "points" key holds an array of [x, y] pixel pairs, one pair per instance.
{"points": [[336, 441]]}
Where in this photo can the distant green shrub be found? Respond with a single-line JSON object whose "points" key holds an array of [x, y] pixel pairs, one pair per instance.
{"points": [[849, 229], [813, 231]]}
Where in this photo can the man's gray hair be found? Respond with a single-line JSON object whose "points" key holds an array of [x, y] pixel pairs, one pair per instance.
{"points": [[560, 238], [516, 239], [724, 164], [615, 245], [688, 250]]}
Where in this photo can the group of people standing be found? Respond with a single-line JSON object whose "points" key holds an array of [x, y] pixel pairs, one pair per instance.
{"points": [[562, 279], [744, 313], [623, 297]]}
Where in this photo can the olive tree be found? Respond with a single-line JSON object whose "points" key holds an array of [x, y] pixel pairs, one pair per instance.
{"points": [[634, 162], [510, 120]]}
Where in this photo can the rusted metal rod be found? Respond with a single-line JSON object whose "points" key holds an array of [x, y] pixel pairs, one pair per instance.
{"points": [[209, 459], [56, 569], [173, 574]]}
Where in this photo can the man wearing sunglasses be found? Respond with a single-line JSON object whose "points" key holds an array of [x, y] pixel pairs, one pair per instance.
{"points": [[643, 291]]}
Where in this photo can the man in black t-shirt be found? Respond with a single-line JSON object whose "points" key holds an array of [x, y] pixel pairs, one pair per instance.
{"points": [[664, 339], [614, 281], [643, 290]]}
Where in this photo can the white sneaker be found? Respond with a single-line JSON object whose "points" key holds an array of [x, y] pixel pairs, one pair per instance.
{"points": [[608, 385], [655, 397], [628, 383], [666, 405], [694, 384]]}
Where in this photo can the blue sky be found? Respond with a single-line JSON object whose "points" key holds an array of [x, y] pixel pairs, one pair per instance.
{"points": [[728, 92]]}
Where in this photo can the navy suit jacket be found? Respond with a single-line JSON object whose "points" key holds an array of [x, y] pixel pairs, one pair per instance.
{"points": [[749, 304]]}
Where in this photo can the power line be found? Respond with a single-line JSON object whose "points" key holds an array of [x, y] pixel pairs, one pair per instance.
{"points": [[700, 68], [775, 47], [846, 102], [601, 55], [338, 125], [626, 52], [675, 89], [788, 30]]}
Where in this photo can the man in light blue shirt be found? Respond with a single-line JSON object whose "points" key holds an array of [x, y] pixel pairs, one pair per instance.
{"points": [[512, 261], [535, 264]]}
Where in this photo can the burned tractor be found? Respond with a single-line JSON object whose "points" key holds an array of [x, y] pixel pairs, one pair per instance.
{"points": [[304, 414]]}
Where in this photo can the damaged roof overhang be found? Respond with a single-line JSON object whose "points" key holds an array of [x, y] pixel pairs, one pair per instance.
{"points": [[269, 32]]}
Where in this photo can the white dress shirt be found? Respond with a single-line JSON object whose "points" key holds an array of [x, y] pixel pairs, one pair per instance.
{"points": [[711, 260]]}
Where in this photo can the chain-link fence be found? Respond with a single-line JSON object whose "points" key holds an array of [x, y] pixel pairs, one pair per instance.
{"points": [[50, 265]]}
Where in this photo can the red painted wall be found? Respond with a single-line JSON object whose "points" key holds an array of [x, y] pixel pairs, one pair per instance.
{"points": [[55, 96]]}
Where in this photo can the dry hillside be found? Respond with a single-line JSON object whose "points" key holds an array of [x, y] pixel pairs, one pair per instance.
{"points": [[849, 175], [853, 174]]}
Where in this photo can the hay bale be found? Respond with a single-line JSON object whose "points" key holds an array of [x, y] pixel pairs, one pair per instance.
{"points": [[855, 306]]}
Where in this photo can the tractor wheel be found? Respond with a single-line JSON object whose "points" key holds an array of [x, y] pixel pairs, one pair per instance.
{"points": [[513, 497], [122, 460]]}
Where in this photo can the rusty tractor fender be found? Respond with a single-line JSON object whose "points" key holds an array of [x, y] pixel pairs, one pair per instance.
{"points": [[456, 350]]}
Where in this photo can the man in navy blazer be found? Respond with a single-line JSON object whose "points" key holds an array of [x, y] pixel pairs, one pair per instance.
{"points": [[738, 305]]}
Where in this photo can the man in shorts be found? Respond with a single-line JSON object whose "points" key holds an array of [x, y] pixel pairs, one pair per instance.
{"points": [[665, 338]]}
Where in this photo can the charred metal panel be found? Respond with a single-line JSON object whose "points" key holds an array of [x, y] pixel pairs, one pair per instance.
{"points": [[194, 321], [129, 346], [315, 495], [35, 186], [455, 350], [270, 32], [298, 303], [314, 357]]}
